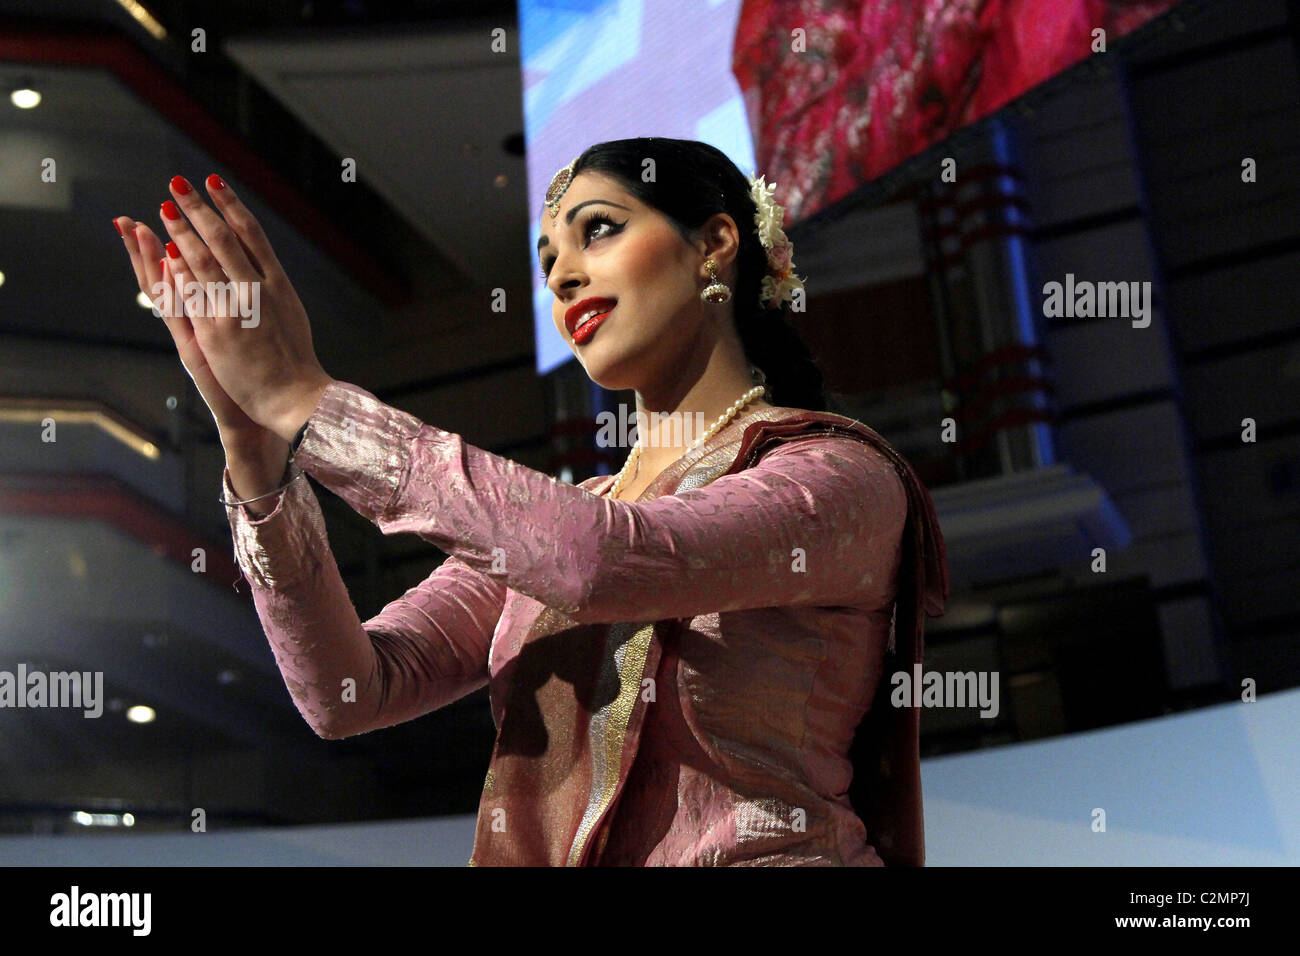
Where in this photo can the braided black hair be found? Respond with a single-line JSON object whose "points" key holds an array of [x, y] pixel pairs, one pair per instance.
{"points": [[693, 181]]}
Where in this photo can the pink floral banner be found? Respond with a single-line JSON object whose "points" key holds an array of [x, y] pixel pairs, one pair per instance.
{"points": [[869, 83]]}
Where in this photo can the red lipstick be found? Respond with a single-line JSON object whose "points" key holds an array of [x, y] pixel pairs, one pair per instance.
{"points": [[584, 332], [575, 313]]}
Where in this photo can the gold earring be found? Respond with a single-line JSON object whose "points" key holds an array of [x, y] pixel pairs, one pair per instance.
{"points": [[718, 291]]}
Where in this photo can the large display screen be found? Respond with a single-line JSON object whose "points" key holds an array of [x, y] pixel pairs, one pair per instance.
{"points": [[597, 70]]}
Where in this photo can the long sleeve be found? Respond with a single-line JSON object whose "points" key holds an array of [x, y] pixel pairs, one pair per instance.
{"points": [[423, 650], [815, 522]]}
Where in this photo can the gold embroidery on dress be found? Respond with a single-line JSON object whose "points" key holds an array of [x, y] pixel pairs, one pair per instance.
{"points": [[608, 730], [609, 749]]}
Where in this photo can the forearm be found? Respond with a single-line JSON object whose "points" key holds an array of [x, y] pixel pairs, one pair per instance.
{"points": [[327, 660], [815, 522], [343, 678], [255, 468]]}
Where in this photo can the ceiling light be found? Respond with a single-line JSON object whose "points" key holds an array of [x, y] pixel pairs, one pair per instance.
{"points": [[144, 18], [103, 819], [140, 714]]}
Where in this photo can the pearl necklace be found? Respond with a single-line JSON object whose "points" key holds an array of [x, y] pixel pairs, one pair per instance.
{"points": [[713, 429]]}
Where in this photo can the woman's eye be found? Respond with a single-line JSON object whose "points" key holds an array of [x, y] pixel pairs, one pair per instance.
{"points": [[597, 219], [594, 219]]}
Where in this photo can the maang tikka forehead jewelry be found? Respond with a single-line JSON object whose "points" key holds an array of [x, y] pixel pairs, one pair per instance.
{"points": [[559, 186]]}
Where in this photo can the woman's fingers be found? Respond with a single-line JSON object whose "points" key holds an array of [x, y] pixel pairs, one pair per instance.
{"points": [[189, 304], [245, 225], [158, 271], [224, 411], [177, 317], [209, 245], [126, 227], [178, 323], [203, 266], [173, 312], [144, 259], [149, 249]]}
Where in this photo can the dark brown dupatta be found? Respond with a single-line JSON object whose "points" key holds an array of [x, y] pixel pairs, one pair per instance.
{"points": [[569, 727]]}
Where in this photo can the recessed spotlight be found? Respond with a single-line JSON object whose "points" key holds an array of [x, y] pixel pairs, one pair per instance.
{"points": [[140, 714], [24, 98]]}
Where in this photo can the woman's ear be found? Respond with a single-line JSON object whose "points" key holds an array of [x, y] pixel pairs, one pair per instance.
{"points": [[719, 240]]}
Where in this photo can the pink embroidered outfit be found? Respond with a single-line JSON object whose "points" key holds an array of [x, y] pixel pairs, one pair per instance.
{"points": [[674, 681]]}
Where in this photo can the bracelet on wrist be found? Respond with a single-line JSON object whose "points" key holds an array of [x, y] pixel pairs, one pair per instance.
{"points": [[289, 466]]}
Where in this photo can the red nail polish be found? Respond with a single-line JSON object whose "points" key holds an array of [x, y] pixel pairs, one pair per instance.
{"points": [[118, 227], [173, 251], [162, 263], [170, 211], [216, 182], [181, 187]]}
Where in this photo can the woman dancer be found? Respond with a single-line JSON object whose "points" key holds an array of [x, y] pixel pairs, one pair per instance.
{"points": [[678, 656]]}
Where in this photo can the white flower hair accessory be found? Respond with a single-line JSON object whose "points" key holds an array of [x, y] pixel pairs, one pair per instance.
{"points": [[780, 282]]}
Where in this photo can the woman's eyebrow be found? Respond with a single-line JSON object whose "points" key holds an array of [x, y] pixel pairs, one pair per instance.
{"points": [[568, 218]]}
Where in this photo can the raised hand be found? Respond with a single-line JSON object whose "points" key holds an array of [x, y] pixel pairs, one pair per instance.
{"points": [[245, 317], [151, 268]]}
